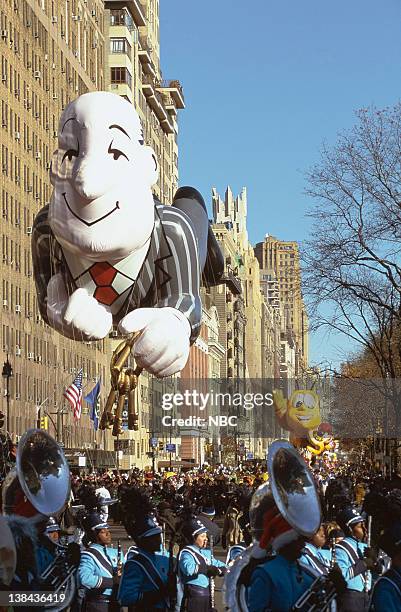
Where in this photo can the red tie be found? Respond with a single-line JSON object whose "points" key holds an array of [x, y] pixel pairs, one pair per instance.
{"points": [[104, 274]]}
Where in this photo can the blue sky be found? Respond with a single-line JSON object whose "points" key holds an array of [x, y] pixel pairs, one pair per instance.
{"points": [[265, 84]]}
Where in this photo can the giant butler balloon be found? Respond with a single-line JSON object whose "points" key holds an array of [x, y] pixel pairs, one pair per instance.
{"points": [[106, 253]]}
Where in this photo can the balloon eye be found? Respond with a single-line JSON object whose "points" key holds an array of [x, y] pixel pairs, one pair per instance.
{"points": [[70, 154], [298, 404], [116, 153]]}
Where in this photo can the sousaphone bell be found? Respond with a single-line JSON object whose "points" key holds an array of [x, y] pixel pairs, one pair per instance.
{"points": [[291, 488]]}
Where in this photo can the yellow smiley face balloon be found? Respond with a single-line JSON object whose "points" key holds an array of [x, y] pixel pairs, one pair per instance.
{"points": [[303, 410]]}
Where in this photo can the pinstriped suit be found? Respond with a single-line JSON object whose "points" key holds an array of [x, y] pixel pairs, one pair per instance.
{"points": [[169, 276]]}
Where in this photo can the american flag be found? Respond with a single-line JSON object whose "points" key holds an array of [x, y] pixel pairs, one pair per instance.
{"points": [[73, 394]]}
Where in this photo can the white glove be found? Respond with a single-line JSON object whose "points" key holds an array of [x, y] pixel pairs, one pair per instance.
{"points": [[79, 316], [163, 346]]}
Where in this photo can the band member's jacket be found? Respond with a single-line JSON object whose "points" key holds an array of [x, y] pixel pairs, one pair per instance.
{"points": [[387, 592], [193, 563], [349, 553], [144, 578], [277, 584], [318, 558], [45, 553], [96, 568]]}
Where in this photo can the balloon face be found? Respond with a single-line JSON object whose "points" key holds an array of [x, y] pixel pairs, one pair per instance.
{"points": [[102, 205], [304, 410]]}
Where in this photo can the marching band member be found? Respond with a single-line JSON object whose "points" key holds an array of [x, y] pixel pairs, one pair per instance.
{"points": [[315, 555], [321, 561], [196, 565], [46, 548], [100, 568], [354, 560], [206, 516], [387, 590], [147, 582], [52, 530], [278, 583]]}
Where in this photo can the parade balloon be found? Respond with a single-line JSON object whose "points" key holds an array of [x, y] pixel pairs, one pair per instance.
{"points": [[300, 415], [106, 253]]}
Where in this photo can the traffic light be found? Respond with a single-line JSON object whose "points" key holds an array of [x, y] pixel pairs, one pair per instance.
{"points": [[1, 420], [161, 446], [44, 422]]}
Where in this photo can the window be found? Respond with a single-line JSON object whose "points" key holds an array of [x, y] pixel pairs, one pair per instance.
{"points": [[121, 17], [121, 75], [120, 45]]}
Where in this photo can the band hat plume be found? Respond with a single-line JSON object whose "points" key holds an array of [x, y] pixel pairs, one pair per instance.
{"points": [[276, 531], [94, 522], [138, 511]]}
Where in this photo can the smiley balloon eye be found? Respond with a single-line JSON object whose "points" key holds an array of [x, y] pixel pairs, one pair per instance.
{"points": [[70, 154]]}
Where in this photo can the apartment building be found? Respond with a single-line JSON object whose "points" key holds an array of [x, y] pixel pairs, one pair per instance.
{"points": [[51, 52], [280, 268]]}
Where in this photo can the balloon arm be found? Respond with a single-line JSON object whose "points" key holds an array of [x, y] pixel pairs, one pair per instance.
{"points": [[317, 446], [312, 439], [280, 407], [175, 265], [182, 269]]}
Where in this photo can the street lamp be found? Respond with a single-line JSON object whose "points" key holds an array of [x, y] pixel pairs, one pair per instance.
{"points": [[7, 373]]}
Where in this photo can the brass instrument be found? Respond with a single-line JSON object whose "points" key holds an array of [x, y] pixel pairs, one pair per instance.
{"points": [[318, 598], [60, 577], [291, 489], [123, 385], [43, 474]]}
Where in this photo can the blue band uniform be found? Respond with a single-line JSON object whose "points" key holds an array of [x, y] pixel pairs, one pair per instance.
{"points": [[97, 566], [144, 578]]}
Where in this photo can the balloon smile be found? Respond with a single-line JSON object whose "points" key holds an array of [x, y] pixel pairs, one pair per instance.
{"points": [[89, 223]]}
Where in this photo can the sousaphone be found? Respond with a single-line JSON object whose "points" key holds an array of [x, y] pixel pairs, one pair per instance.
{"points": [[40, 482], [39, 487], [291, 488]]}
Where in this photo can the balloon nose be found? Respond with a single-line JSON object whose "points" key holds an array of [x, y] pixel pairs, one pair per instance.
{"points": [[89, 181]]}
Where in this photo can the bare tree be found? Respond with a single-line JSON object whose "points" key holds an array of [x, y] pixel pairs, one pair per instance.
{"points": [[352, 265]]}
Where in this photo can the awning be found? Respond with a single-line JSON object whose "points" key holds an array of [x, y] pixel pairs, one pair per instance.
{"points": [[101, 458], [95, 458]]}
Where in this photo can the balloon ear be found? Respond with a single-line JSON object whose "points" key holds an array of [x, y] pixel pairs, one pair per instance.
{"points": [[152, 165], [56, 170], [53, 167]]}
